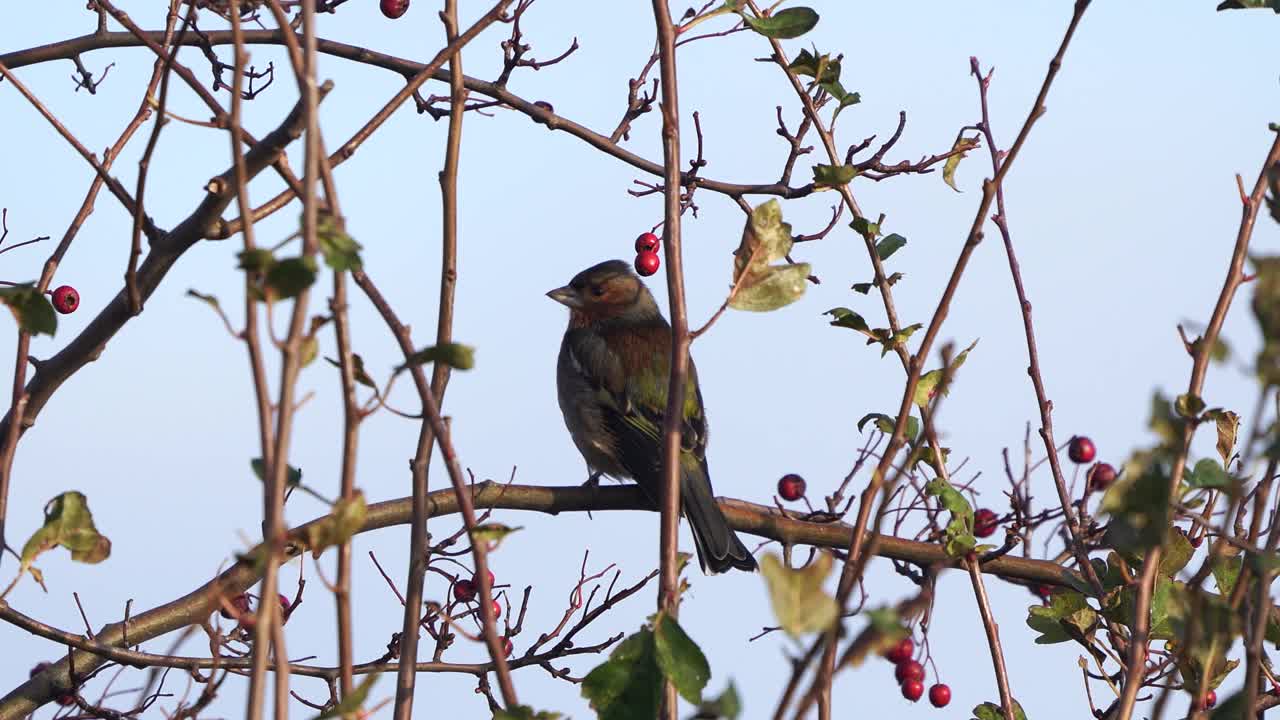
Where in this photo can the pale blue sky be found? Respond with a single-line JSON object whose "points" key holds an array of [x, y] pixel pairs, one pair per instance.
{"points": [[1123, 207]]}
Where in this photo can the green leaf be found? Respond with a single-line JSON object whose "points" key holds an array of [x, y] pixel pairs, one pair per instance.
{"points": [[1207, 474], [289, 277], [256, 260], [1233, 708], [308, 350], [1138, 503], [863, 288], [892, 341], [777, 287], [1166, 425], [930, 381], [492, 534], [292, 478], [846, 318], [828, 176], [340, 251], [679, 658], [455, 355], [628, 685], [958, 538], [784, 24], [1274, 6], [963, 145], [886, 424], [1068, 617], [843, 98], [32, 310], [726, 707], [760, 286], [353, 702], [798, 598], [865, 227], [67, 522], [821, 67], [1226, 570], [991, 711], [1177, 553], [765, 239], [1188, 406], [343, 521], [889, 245]]}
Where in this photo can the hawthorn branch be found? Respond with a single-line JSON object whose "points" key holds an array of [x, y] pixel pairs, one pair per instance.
{"points": [[1043, 403], [195, 607], [1250, 206], [673, 420], [538, 113]]}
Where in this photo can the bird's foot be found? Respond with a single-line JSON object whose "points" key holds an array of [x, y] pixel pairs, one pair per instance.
{"points": [[593, 482]]}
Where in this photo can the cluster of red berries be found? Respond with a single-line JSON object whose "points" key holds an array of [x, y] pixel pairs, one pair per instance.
{"points": [[62, 700], [910, 675], [1081, 450], [240, 612], [65, 299], [465, 591], [791, 487], [647, 261], [393, 9]]}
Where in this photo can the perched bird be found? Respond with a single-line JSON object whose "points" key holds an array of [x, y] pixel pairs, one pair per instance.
{"points": [[612, 379]]}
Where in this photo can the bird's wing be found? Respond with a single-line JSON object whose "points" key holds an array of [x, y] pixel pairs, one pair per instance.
{"points": [[638, 405]]}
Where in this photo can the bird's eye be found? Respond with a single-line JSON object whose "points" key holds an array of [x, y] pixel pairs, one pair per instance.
{"points": [[597, 290]]}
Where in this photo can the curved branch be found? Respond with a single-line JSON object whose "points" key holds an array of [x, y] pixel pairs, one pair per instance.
{"points": [[767, 522], [538, 113]]}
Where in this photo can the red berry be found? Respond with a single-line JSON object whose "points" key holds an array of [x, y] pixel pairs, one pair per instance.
{"points": [[1101, 475], [464, 591], [985, 522], [506, 647], [1196, 540], [1081, 449], [940, 695], [39, 668], [791, 487], [239, 607], [492, 582], [647, 263], [497, 610], [1207, 701], [901, 652], [647, 242], [912, 690], [909, 670], [1044, 592], [66, 299], [65, 700], [394, 8], [285, 608]]}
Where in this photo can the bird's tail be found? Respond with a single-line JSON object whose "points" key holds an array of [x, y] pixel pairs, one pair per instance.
{"points": [[719, 548]]}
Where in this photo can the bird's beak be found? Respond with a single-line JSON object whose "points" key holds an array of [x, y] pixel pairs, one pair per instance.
{"points": [[566, 296]]}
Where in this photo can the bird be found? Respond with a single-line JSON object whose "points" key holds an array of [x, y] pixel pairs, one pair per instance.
{"points": [[612, 376]]}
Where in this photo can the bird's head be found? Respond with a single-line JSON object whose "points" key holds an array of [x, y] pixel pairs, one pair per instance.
{"points": [[603, 292]]}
